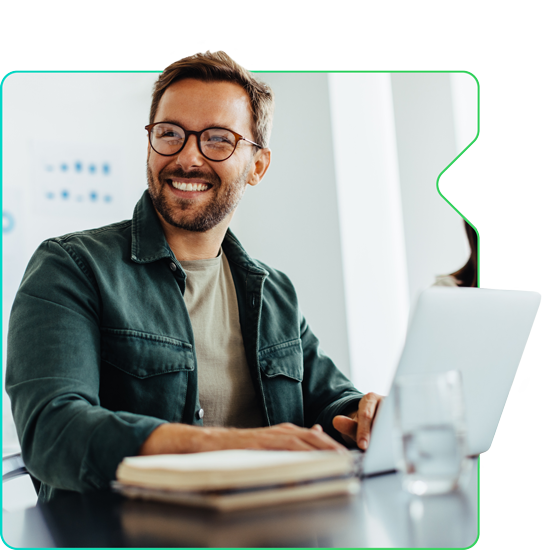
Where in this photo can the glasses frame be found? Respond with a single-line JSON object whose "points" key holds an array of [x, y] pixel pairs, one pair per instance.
{"points": [[238, 138]]}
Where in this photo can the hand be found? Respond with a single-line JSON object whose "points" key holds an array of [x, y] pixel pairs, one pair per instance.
{"points": [[356, 427], [285, 436], [182, 438]]}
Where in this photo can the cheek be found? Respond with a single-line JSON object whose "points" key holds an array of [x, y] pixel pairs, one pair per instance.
{"points": [[156, 163], [233, 171]]}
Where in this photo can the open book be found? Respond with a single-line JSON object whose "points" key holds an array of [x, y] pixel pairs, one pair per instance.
{"points": [[234, 479]]}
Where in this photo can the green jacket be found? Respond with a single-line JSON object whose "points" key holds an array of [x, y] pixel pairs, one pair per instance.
{"points": [[101, 350]]}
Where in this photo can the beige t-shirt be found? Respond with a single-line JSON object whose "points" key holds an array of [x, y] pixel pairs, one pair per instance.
{"points": [[226, 392]]}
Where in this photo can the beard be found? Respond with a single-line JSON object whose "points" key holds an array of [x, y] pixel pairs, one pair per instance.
{"points": [[179, 211]]}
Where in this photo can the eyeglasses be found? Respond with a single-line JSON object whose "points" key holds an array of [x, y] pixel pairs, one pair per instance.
{"points": [[215, 144]]}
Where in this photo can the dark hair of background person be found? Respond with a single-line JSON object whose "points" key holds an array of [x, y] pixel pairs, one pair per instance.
{"points": [[219, 67], [467, 274]]}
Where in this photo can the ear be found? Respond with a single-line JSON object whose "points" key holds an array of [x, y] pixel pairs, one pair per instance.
{"points": [[261, 162]]}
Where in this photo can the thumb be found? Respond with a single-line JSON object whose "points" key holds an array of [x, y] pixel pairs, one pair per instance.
{"points": [[345, 425]]}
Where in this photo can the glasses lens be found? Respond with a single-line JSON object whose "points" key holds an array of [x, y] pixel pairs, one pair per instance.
{"points": [[167, 139], [217, 143]]}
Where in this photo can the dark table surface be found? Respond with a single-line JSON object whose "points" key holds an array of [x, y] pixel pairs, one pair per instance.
{"points": [[382, 515]]}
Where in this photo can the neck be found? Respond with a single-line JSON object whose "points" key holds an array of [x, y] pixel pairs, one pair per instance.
{"points": [[192, 245]]}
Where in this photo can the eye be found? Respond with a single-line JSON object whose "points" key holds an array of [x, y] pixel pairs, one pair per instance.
{"points": [[168, 132], [217, 137], [171, 135]]}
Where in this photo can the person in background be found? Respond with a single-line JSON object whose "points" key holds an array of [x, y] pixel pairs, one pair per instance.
{"points": [[466, 276]]}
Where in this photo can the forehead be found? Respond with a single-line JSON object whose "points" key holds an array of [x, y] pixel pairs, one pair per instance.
{"points": [[196, 105]]}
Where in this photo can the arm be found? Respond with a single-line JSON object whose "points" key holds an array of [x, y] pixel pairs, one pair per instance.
{"points": [[67, 439], [182, 438], [326, 391], [344, 412]]}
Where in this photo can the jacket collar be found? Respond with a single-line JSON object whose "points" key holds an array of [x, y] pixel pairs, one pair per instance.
{"points": [[149, 243], [235, 253]]}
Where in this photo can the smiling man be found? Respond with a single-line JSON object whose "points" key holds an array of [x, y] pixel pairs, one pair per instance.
{"points": [[160, 334]]}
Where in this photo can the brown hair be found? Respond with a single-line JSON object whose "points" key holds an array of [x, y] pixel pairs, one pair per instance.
{"points": [[467, 275], [219, 67]]}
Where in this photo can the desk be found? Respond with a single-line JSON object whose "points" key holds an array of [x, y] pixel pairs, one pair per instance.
{"points": [[382, 515]]}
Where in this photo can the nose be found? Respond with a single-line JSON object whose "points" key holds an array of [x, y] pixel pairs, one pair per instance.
{"points": [[190, 156]]}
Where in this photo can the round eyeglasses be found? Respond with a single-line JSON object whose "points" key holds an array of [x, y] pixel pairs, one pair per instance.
{"points": [[215, 144]]}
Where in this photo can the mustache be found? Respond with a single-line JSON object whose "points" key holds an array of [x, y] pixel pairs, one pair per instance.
{"points": [[165, 174]]}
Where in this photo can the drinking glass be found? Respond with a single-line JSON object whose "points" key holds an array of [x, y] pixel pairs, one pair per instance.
{"points": [[431, 431]]}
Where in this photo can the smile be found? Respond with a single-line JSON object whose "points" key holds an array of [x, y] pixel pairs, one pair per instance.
{"points": [[190, 186]]}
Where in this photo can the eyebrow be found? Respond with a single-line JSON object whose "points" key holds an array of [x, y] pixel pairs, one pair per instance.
{"points": [[209, 125]]}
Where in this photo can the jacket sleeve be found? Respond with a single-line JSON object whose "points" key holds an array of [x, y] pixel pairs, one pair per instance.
{"points": [[326, 391], [68, 440]]}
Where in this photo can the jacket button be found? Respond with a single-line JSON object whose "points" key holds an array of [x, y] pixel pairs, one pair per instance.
{"points": [[200, 413], [173, 266]]}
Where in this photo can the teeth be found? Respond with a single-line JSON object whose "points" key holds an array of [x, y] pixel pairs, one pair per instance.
{"points": [[190, 186]]}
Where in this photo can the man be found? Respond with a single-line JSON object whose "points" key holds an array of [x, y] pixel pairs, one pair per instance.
{"points": [[160, 334]]}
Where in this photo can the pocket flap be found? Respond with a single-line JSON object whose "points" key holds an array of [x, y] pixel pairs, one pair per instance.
{"points": [[283, 360], [142, 354]]}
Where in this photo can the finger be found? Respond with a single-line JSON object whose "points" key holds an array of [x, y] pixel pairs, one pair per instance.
{"points": [[365, 416], [297, 443], [319, 428], [322, 441], [282, 442], [345, 425], [347, 428], [289, 425], [287, 437]]}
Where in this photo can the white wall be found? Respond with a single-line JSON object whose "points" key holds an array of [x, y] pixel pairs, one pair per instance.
{"points": [[465, 109], [371, 221]]}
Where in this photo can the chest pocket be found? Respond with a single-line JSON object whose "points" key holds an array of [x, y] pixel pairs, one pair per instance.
{"points": [[282, 369], [283, 360], [145, 373]]}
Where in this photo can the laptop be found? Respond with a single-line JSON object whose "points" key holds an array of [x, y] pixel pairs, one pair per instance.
{"points": [[481, 333]]}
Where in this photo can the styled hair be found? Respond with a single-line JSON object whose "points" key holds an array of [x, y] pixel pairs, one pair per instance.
{"points": [[219, 67], [467, 274]]}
